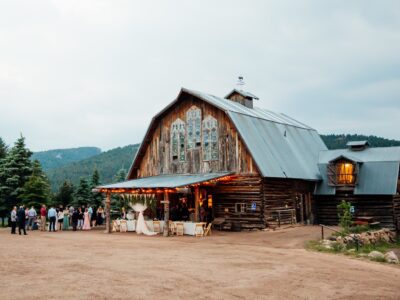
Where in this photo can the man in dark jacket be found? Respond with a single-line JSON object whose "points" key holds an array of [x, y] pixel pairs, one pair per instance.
{"points": [[21, 219], [75, 217]]}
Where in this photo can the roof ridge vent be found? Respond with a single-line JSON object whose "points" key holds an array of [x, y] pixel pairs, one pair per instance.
{"points": [[357, 145]]}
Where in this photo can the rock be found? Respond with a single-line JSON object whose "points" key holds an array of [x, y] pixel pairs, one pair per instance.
{"points": [[339, 239], [391, 257], [376, 255]]}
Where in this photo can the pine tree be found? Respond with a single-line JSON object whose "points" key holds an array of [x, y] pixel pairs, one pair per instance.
{"points": [[83, 193], [3, 204], [97, 198], [65, 195], [15, 170], [120, 176], [117, 202], [36, 191], [3, 149]]}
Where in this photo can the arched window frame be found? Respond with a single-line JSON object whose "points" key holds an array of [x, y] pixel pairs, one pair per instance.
{"points": [[193, 123], [178, 140], [210, 139]]}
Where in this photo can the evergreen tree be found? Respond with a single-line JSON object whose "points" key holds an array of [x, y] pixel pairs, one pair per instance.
{"points": [[97, 198], [117, 202], [83, 193], [120, 176], [36, 190], [3, 149], [3, 204], [65, 195], [15, 170]]}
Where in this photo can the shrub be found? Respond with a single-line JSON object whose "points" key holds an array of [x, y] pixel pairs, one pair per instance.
{"points": [[344, 215]]}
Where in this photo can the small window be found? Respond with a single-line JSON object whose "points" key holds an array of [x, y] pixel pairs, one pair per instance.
{"points": [[240, 207], [342, 173]]}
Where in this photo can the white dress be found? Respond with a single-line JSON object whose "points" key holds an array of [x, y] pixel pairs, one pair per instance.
{"points": [[141, 226]]}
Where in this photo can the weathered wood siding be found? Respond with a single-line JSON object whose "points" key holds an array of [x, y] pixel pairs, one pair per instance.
{"points": [[381, 208], [244, 189], [233, 155], [396, 209], [282, 194]]}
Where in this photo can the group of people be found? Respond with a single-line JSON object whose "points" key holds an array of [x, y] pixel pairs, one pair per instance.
{"points": [[81, 218]]}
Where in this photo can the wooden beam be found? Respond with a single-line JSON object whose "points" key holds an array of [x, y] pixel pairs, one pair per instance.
{"points": [[196, 203], [108, 212], [166, 213]]}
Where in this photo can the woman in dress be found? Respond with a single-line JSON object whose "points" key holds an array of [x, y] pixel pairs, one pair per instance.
{"points": [[60, 219], [66, 219], [100, 213], [86, 221]]}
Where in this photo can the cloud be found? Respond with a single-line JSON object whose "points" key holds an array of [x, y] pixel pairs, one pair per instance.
{"points": [[88, 72]]}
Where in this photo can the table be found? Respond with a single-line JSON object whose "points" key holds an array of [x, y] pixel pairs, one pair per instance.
{"points": [[188, 227]]}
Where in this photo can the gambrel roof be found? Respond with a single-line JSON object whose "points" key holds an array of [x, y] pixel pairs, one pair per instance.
{"points": [[281, 147]]}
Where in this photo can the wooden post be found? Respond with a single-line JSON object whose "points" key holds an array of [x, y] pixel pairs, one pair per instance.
{"points": [[108, 213], [166, 213], [196, 203]]}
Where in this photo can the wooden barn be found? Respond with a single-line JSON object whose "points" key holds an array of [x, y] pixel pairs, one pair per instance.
{"points": [[366, 177], [227, 158]]}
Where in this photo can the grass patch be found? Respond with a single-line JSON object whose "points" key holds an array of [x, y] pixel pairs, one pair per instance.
{"points": [[350, 248]]}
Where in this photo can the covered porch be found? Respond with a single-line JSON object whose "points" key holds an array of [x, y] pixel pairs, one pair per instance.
{"points": [[171, 191]]}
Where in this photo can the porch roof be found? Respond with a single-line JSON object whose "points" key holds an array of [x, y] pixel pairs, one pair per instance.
{"points": [[165, 181]]}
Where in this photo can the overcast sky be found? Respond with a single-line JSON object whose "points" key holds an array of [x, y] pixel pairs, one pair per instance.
{"points": [[93, 73]]}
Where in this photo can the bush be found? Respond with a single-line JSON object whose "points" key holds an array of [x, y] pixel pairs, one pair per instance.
{"points": [[344, 215]]}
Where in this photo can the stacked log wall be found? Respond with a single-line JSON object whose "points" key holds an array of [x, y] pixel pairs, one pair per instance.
{"points": [[382, 208], [281, 194], [396, 210], [243, 189]]}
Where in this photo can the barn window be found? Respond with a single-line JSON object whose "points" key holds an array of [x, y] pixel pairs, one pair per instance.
{"points": [[193, 120], [342, 173], [178, 140], [210, 138]]}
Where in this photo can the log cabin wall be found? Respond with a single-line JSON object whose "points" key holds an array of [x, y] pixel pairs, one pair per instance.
{"points": [[233, 155], [396, 210], [246, 189], [382, 208], [284, 194]]}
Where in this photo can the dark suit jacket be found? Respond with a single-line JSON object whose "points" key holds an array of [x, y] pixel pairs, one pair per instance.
{"points": [[21, 216]]}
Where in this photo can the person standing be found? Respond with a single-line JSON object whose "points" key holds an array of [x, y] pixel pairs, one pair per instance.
{"points": [[66, 219], [13, 220], [21, 219], [74, 219], [80, 218], [52, 215], [86, 222], [31, 218], [90, 211], [43, 214], [71, 211], [100, 213], [60, 219]]}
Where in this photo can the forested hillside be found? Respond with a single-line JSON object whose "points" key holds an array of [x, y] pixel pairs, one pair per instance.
{"points": [[107, 163], [60, 157], [337, 141]]}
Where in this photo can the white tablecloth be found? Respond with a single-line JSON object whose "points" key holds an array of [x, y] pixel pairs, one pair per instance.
{"points": [[188, 227]]}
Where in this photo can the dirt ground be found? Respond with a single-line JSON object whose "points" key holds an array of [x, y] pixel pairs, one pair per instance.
{"points": [[251, 265]]}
